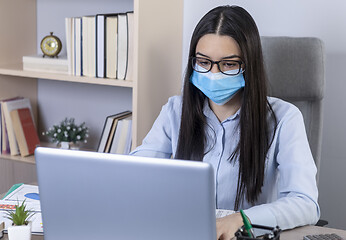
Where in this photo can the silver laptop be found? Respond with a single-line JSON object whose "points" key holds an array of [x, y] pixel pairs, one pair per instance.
{"points": [[89, 195]]}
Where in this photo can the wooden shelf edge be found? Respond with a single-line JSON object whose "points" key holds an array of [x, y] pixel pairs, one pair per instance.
{"points": [[29, 159], [16, 70]]}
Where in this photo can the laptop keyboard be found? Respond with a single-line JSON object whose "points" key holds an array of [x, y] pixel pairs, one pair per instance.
{"points": [[332, 236]]}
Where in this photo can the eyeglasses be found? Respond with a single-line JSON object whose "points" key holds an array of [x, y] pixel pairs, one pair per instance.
{"points": [[226, 66]]}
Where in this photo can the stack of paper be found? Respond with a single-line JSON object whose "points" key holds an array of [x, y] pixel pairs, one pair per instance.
{"points": [[223, 212]]}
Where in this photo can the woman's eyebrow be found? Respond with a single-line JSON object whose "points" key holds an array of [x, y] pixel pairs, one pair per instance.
{"points": [[203, 55], [231, 56]]}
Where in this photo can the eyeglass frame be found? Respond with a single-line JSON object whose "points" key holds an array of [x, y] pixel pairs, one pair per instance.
{"points": [[240, 70]]}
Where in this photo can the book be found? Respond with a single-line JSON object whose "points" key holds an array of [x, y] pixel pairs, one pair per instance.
{"points": [[111, 46], [120, 141], [0, 131], [69, 43], [7, 107], [128, 144], [130, 53], [124, 146], [100, 45], [38, 63], [106, 135], [78, 46], [89, 46], [73, 51], [115, 140], [114, 128], [5, 145], [122, 46], [25, 131]]}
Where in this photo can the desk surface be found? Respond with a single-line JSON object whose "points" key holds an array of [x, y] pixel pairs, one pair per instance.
{"points": [[294, 234], [299, 233]]}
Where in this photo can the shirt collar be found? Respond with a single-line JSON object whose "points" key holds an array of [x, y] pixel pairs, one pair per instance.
{"points": [[210, 114]]}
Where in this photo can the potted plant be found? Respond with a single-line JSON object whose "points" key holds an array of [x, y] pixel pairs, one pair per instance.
{"points": [[68, 133], [21, 227]]}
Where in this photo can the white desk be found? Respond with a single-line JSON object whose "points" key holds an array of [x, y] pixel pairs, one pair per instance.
{"points": [[293, 234]]}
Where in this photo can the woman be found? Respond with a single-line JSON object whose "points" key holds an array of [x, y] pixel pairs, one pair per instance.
{"points": [[256, 144]]}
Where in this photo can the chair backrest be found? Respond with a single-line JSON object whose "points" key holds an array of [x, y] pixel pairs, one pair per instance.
{"points": [[296, 73]]}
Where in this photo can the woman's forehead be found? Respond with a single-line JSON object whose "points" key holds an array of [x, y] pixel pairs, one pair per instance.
{"points": [[217, 46]]}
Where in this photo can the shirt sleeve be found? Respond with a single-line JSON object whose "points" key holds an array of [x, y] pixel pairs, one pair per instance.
{"points": [[158, 142], [297, 189]]}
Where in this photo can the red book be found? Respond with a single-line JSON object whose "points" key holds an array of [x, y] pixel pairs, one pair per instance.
{"points": [[25, 131]]}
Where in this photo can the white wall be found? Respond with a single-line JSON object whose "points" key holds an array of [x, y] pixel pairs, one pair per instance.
{"points": [[327, 21]]}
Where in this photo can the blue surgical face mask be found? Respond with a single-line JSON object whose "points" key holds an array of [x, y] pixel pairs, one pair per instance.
{"points": [[218, 87]]}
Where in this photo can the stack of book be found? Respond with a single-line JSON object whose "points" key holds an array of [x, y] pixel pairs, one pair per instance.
{"points": [[117, 134], [18, 133], [100, 45]]}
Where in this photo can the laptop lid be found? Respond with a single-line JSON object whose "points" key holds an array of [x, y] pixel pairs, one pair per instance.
{"points": [[89, 195]]}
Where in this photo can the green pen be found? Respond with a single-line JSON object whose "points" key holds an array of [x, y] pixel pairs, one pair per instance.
{"points": [[247, 224]]}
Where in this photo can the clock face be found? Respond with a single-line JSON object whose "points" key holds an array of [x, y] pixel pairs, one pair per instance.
{"points": [[50, 46]]}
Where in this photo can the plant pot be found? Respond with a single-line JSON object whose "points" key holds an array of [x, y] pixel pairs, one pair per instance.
{"points": [[64, 145], [69, 145], [22, 232]]}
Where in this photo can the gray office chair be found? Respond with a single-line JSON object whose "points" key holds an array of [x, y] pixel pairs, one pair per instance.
{"points": [[296, 73]]}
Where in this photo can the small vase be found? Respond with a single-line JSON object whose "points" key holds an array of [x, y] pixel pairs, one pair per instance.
{"points": [[19, 232], [69, 145], [64, 145]]}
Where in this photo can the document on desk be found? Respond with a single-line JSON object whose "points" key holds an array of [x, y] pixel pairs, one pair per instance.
{"points": [[223, 212], [30, 194]]}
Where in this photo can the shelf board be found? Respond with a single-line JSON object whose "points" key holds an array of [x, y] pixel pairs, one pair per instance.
{"points": [[28, 159], [17, 70], [31, 159]]}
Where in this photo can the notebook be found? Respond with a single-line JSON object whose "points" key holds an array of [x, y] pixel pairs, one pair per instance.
{"points": [[90, 195]]}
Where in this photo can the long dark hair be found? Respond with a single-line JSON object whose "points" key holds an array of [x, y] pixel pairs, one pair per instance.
{"points": [[255, 133]]}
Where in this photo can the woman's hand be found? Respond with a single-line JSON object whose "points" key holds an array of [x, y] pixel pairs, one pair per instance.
{"points": [[227, 226]]}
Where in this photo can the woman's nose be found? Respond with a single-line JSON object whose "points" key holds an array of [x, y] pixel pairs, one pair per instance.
{"points": [[215, 69]]}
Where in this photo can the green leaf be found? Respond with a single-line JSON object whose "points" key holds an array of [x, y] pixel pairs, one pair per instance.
{"points": [[20, 216]]}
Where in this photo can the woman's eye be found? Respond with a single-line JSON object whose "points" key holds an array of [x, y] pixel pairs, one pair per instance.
{"points": [[204, 63], [230, 65]]}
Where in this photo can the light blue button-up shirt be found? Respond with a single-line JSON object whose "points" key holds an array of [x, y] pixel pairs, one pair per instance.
{"points": [[289, 194]]}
